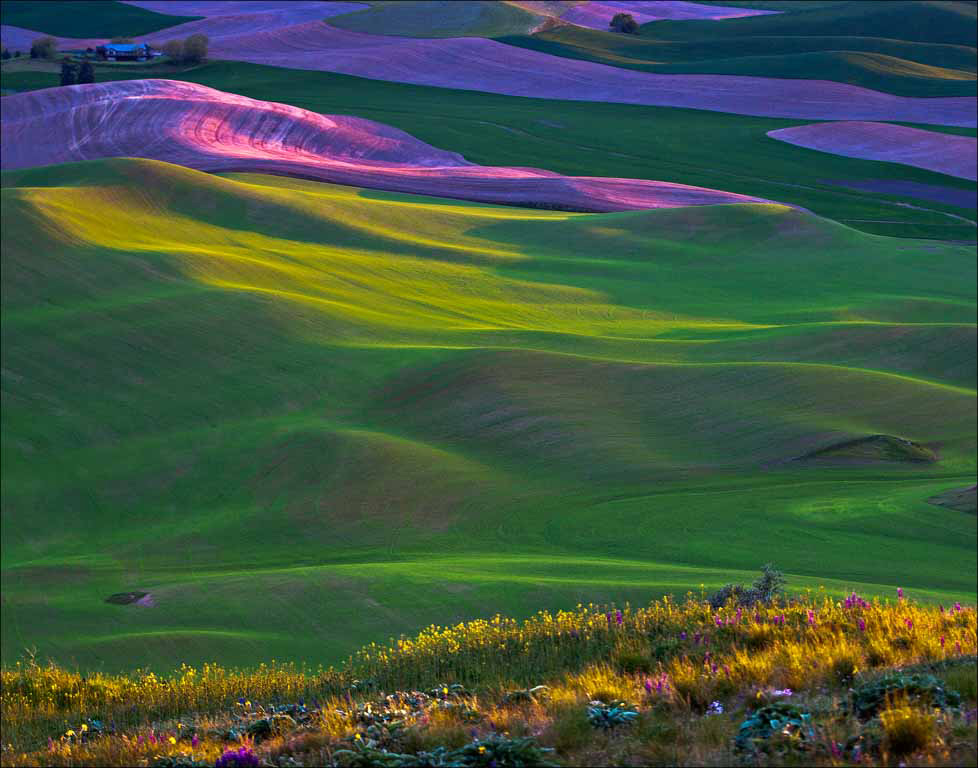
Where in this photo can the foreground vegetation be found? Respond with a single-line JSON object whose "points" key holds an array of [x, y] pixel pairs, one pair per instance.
{"points": [[758, 680]]}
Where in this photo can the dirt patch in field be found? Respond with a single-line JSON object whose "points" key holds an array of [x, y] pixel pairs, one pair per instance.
{"points": [[959, 499], [872, 449], [130, 598]]}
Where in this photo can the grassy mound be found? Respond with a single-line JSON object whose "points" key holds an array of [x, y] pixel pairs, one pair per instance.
{"points": [[431, 18], [897, 66], [918, 21], [804, 680], [301, 416], [91, 18]]}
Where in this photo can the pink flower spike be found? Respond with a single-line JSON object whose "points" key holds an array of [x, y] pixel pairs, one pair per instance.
{"points": [[900, 593]]}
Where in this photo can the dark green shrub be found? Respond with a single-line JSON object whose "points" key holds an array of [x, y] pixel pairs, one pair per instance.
{"points": [[778, 728], [872, 697], [768, 587], [624, 22]]}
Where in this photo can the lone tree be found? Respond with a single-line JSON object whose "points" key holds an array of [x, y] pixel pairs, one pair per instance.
{"points": [[44, 48], [173, 50], [69, 72], [623, 22], [5, 55], [87, 73], [195, 49]]}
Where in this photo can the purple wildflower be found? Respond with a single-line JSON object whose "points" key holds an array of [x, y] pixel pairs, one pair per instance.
{"points": [[618, 618], [682, 635], [194, 741], [942, 641], [862, 625], [957, 607], [900, 593], [244, 757], [648, 686], [909, 623], [811, 616]]}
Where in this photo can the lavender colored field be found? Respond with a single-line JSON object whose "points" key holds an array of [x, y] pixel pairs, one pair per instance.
{"points": [[940, 152], [598, 15], [486, 65], [210, 130]]}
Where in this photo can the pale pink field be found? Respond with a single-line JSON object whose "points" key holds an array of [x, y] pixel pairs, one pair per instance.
{"points": [[597, 15], [941, 152], [210, 130]]}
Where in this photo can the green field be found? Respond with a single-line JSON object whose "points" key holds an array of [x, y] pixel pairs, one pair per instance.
{"points": [[893, 66], [945, 22], [924, 50], [86, 18], [305, 417], [446, 18], [709, 149]]}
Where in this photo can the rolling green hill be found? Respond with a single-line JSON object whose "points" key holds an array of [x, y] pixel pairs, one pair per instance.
{"points": [[925, 21], [86, 18], [897, 66], [305, 416], [729, 152], [433, 18]]}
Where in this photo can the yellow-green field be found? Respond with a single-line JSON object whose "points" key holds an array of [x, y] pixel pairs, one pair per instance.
{"points": [[305, 417]]}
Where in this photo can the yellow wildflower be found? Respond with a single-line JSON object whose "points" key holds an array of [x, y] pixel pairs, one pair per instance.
{"points": [[84, 728], [173, 740]]}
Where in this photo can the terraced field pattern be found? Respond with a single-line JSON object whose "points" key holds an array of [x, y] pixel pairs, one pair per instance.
{"points": [[397, 313]]}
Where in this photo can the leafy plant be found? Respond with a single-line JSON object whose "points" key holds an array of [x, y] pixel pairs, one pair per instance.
{"points": [[874, 696], [609, 716], [778, 727]]}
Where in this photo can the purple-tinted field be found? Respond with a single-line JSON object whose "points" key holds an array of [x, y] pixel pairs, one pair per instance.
{"points": [[941, 152], [206, 129], [296, 38]]}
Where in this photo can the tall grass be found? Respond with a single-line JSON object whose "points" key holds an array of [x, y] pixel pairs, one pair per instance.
{"points": [[682, 654]]}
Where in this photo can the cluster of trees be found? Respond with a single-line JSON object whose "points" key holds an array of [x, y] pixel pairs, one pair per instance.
{"points": [[44, 48], [193, 50], [624, 22], [7, 54], [72, 72]]}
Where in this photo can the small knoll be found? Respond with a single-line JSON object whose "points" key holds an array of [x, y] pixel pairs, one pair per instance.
{"points": [[959, 499], [874, 448], [209, 130], [933, 151]]}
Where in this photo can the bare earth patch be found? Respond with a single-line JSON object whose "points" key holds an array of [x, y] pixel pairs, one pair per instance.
{"points": [[960, 499]]}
